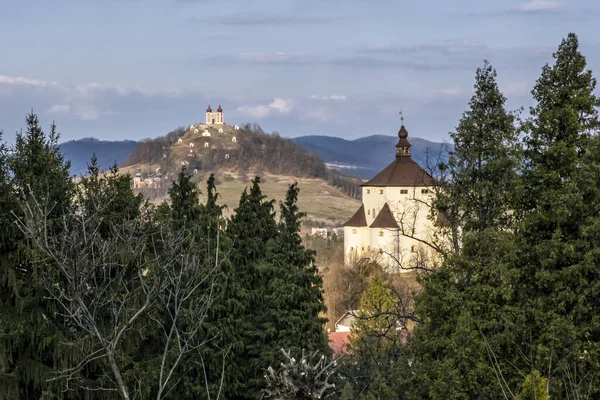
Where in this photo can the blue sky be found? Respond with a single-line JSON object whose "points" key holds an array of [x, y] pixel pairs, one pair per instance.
{"points": [[116, 69]]}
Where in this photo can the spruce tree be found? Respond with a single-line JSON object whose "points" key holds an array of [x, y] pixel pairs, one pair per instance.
{"points": [[294, 308], [250, 230], [461, 305], [32, 334], [556, 273], [483, 165]]}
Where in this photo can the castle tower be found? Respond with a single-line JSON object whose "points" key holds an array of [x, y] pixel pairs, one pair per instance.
{"points": [[392, 224]]}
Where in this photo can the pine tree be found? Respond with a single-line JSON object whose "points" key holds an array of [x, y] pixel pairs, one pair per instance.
{"points": [[32, 334]]}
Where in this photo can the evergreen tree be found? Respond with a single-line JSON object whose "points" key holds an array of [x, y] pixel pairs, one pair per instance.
{"points": [[32, 334], [294, 306], [462, 305], [250, 230], [483, 165], [556, 273]]}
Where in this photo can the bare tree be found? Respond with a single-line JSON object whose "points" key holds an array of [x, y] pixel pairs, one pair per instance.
{"points": [[113, 286]]}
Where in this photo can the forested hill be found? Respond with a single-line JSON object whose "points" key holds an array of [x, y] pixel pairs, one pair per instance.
{"points": [[247, 150]]}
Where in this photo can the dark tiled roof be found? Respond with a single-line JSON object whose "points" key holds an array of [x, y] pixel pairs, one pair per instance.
{"points": [[385, 219], [403, 171], [358, 219]]}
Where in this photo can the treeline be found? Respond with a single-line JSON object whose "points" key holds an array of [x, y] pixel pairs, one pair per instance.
{"points": [[152, 151], [104, 295], [512, 312]]}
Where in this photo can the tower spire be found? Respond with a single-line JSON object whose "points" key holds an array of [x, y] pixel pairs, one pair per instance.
{"points": [[403, 145]]}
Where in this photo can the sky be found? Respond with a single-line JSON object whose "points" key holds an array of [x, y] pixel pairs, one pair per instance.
{"points": [[134, 69]]}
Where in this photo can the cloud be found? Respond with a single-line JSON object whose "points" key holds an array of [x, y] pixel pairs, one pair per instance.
{"points": [[262, 19], [59, 109], [335, 97], [278, 106], [275, 58], [447, 48], [538, 6], [18, 80]]}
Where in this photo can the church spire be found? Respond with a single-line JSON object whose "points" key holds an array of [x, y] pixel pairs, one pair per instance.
{"points": [[403, 146]]}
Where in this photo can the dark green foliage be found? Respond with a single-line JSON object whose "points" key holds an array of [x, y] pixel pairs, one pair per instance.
{"points": [[482, 167], [557, 271], [32, 334], [293, 319]]}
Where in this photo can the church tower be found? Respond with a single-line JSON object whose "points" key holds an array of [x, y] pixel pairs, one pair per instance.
{"points": [[214, 118]]}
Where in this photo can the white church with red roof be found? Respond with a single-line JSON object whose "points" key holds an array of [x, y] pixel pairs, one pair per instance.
{"points": [[393, 224]]}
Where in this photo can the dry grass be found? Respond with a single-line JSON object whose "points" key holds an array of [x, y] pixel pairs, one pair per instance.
{"points": [[318, 199]]}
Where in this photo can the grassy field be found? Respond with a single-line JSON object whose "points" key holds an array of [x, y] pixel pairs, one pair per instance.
{"points": [[318, 199]]}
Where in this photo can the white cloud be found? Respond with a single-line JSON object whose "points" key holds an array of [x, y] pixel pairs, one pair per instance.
{"points": [[277, 106], [59, 109], [18, 80], [259, 111], [335, 97], [537, 6], [284, 106]]}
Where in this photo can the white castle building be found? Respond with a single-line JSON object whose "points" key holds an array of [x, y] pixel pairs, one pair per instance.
{"points": [[392, 226], [214, 118]]}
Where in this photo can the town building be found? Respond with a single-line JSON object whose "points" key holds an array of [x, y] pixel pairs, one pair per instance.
{"points": [[393, 224], [149, 182]]}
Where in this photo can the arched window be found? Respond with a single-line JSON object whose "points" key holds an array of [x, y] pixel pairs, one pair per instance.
{"points": [[380, 233], [373, 213], [368, 212], [205, 144], [353, 231]]}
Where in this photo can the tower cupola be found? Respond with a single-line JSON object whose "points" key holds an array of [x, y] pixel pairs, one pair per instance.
{"points": [[403, 145]]}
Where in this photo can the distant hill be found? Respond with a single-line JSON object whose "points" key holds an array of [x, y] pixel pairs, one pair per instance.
{"points": [[108, 152], [365, 157]]}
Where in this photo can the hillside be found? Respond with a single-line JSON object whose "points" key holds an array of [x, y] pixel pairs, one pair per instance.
{"points": [[108, 152], [237, 154], [365, 157]]}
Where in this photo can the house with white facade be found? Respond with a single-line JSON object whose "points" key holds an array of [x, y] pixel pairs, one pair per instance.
{"points": [[393, 225]]}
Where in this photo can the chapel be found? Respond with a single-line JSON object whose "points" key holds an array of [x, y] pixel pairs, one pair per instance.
{"points": [[214, 118], [392, 226]]}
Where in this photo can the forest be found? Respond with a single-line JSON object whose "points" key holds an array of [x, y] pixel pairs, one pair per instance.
{"points": [[106, 295]]}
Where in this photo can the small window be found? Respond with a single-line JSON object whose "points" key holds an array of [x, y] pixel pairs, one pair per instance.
{"points": [[368, 191], [413, 248], [353, 231], [373, 213], [380, 191], [424, 191], [380, 233], [363, 249], [368, 212], [403, 191]]}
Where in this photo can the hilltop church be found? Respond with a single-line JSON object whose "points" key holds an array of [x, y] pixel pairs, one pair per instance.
{"points": [[392, 226]]}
